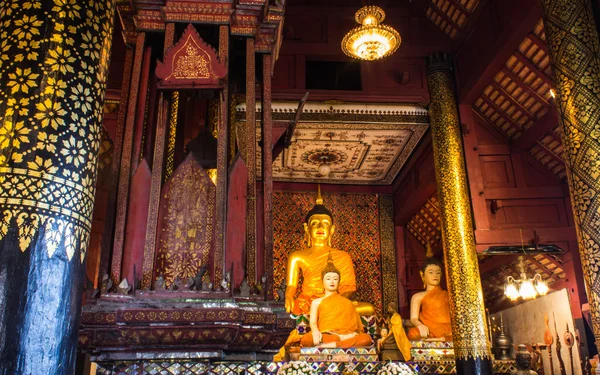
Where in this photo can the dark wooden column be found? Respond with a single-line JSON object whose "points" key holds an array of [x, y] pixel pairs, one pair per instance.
{"points": [[574, 51], [467, 312], [267, 169], [222, 162], [125, 165], [251, 162], [157, 169], [52, 81], [115, 167]]}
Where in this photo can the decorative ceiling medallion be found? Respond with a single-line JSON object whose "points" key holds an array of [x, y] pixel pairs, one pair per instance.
{"points": [[371, 40], [360, 143], [191, 62]]}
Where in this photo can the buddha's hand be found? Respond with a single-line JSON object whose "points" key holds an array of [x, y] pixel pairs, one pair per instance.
{"points": [[316, 335], [423, 330]]}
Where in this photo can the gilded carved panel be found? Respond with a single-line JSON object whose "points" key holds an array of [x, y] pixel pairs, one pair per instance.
{"points": [[187, 210]]}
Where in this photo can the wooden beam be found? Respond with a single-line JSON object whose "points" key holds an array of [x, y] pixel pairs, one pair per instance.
{"points": [[488, 126], [524, 193], [542, 126], [519, 82], [459, 7], [532, 67], [551, 153], [512, 100], [416, 201], [476, 80], [502, 114], [444, 16], [538, 42]]}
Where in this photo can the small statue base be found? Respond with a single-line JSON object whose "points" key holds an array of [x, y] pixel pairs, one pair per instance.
{"points": [[432, 351], [389, 351], [366, 354]]}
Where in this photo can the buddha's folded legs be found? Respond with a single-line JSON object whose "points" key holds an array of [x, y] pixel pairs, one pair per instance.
{"points": [[333, 341]]}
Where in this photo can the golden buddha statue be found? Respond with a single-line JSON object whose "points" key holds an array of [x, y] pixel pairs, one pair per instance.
{"points": [[311, 261], [429, 310], [334, 322]]}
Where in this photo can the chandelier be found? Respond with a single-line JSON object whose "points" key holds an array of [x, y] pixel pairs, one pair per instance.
{"points": [[525, 288], [371, 40]]}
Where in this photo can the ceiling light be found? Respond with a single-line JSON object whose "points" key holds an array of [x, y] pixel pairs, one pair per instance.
{"points": [[525, 288], [371, 40]]}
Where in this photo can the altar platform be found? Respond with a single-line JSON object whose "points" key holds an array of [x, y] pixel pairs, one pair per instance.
{"points": [[197, 367]]}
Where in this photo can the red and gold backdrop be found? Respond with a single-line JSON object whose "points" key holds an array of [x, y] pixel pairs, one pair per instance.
{"points": [[363, 229]]}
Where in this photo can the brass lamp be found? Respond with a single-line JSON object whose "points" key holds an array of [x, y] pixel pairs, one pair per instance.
{"points": [[371, 40], [525, 288]]}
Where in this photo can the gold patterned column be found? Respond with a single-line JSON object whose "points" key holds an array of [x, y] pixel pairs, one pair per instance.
{"points": [[54, 59], [575, 56], [471, 344]]}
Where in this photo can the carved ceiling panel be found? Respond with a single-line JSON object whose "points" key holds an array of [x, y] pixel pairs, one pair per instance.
{"points": [[361, 144]]}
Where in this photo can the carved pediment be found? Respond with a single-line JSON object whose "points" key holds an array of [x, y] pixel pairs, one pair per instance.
{"points": [[191, 62]]}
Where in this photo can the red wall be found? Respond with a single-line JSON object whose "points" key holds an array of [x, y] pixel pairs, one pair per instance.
{"points": [[314, 33]]}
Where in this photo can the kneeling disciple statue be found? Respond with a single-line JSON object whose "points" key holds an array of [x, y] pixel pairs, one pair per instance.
{"points": [[334, 321], [429, 310]]}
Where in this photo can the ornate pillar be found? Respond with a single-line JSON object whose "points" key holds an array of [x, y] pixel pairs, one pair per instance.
{"points": [[267, 170], [53, 68], [219, 267], [469, 328], [125, 165], [575, 56], [251, 162]]}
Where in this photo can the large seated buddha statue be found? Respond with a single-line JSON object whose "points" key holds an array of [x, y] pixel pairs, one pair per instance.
{"points": [[429, 309], [312, 260], [334, 322]]}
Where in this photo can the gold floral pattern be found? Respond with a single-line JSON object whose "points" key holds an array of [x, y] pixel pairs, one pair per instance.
{"points": [[49, 118], [462, 269], [573, 46], [187, 216]]}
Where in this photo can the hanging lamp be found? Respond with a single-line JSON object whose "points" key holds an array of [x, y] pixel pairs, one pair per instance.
{"points": [[371, 40]]}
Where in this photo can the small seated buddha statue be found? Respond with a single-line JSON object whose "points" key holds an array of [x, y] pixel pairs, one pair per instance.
{"points": [[311, 261], [429, 310], [334, 322]]}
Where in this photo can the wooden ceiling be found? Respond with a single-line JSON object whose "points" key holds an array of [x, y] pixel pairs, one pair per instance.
{"points": [[451, 16], [518, 102]]}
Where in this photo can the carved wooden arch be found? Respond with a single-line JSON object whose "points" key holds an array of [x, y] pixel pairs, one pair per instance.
{"points": [[191, 62]]}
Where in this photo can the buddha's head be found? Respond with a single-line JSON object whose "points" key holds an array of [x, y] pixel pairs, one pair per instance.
{"points": [[318, 225], [331, 276], [431, 272]]}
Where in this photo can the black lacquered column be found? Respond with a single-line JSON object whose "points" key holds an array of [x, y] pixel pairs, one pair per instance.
{"points": [[574, 50], [53, 65], [467, 312]]}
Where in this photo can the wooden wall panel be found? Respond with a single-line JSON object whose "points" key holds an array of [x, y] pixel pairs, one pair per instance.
{"points": [[284, 76], [529, 213], [497, 171]]}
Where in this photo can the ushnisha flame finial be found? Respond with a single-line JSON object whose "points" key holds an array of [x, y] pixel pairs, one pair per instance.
{"points": [[330, 267], [319, 197], [428, 251]]}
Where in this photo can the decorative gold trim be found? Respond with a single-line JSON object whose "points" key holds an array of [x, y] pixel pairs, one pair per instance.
{"points": [[388, 250]]}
